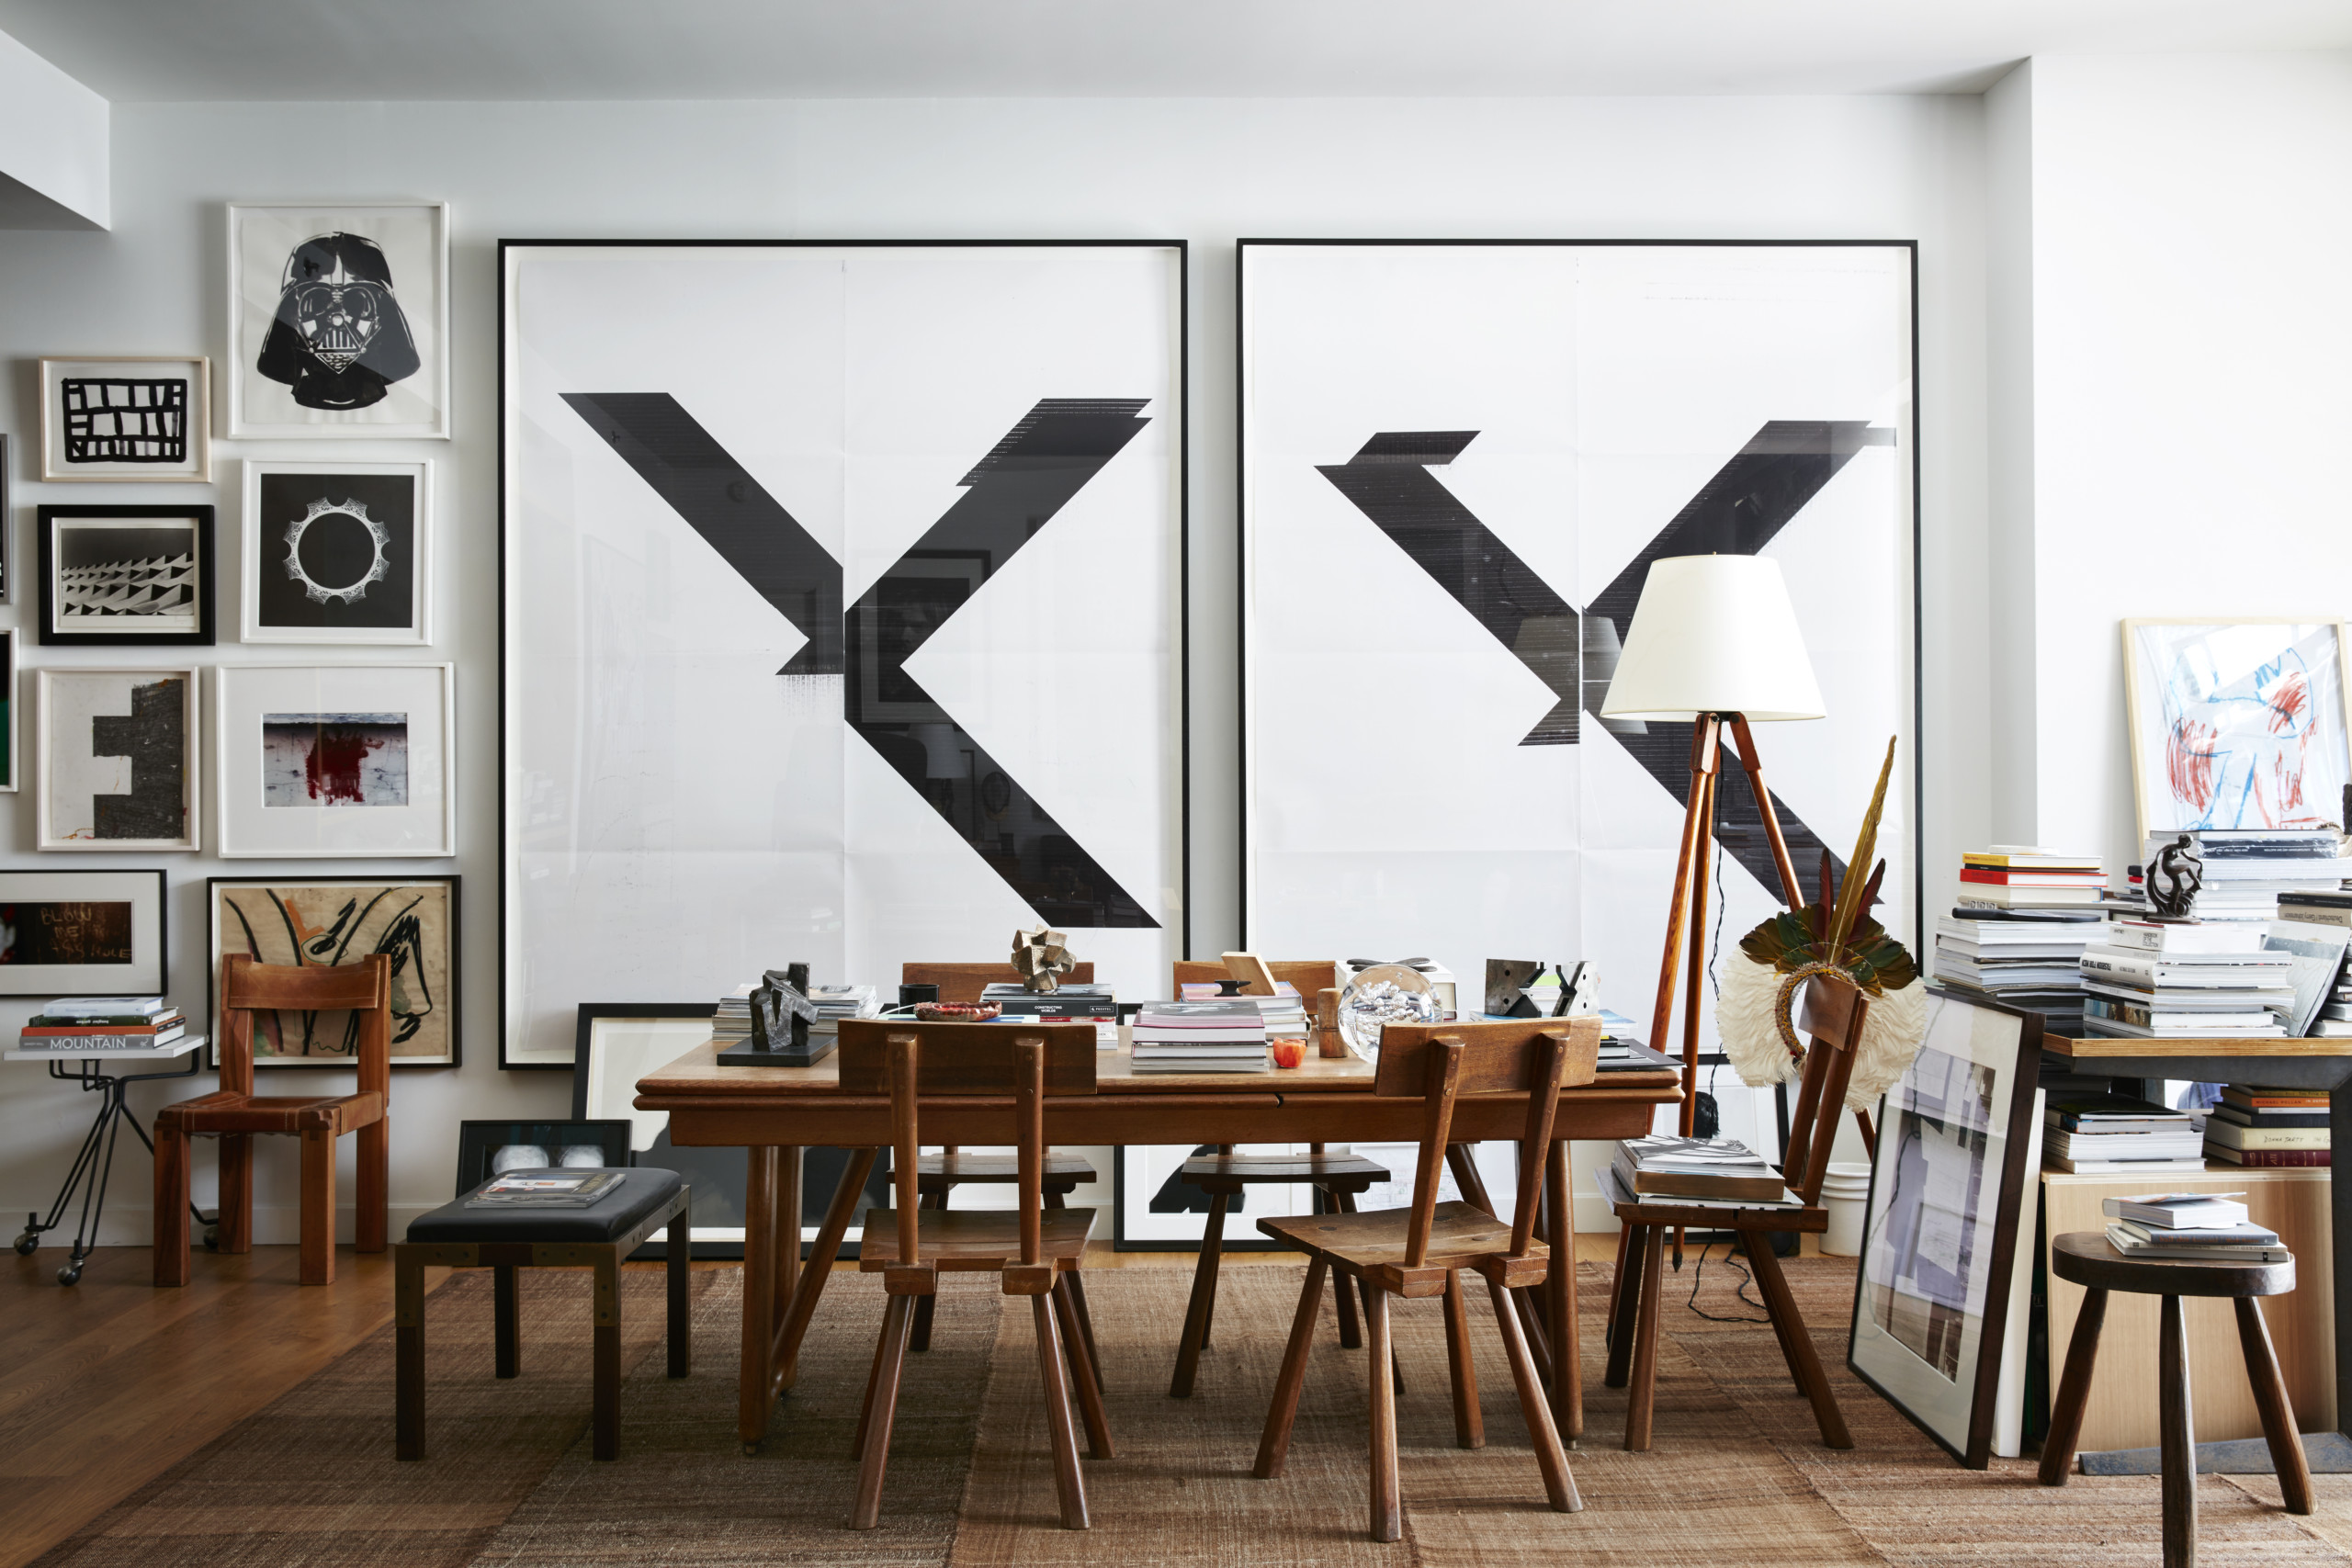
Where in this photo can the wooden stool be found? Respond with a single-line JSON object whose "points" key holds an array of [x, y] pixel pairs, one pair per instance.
{"points": [[2085, 1257], [598, 1237]]}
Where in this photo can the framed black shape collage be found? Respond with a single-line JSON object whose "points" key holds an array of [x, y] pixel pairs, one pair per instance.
{"points": [[337, 552], [82, 933], [125, 576], [103, 729], [337, 921]]}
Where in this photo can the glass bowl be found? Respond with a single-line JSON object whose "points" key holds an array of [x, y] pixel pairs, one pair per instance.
{"points": [[1383, 994]]}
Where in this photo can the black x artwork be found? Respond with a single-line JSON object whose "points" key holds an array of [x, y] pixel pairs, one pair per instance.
{"points": [[1008, 496], [1748, 500]]}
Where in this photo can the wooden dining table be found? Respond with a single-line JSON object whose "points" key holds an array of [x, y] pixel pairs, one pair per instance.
{"points": [[774, 1112]]}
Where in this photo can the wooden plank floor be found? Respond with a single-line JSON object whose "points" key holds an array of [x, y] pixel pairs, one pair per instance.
{"points": [[105, 1385]]}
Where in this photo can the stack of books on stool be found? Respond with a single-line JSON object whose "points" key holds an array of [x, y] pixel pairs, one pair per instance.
{"points": [[2023, 918], [1226, 1035], [103, 1023], [2185, 979], [2198, 1227], [2256, 1125], [1724, 1169], [2109, 1132]]}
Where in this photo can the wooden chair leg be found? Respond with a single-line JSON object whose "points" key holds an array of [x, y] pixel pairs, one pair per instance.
{"points": [[318, 1206], [881, 1409], [1274, 1444], [1196, 1312], [2074, 1390], [408, 1354], [1083, 1375], [1531, 1328], [1069, 1482], [1387, 1505], [920, 1341], [2176, 1443], [171, 1204], [1559, 1484], [372, 1219], [1782, 1305], [605, 1424], [1075, 1279], [236, 1210], [1469, 1425], [506, 1325], [1625, 1302], [1642, 1398], [873, 1382], [677, 1251], [1628, 1259], [1344, 1298], [2287, 1456]]}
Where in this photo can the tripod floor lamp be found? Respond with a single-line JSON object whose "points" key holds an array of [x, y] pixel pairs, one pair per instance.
{"points": [[1714, 642]]}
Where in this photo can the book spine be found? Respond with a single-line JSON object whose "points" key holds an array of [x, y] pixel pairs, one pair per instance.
{"points": [[98, 1042], [2271, 1159], [2314, 914], [2235, 1136]]}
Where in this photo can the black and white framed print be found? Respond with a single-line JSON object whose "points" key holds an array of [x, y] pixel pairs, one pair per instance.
{"points": [[341, 760], [81, 933], [123, 419], [1459, 461], [860, 646], [337, 552], [337, 921], [339, 320], [118, 759], [125, 576]]}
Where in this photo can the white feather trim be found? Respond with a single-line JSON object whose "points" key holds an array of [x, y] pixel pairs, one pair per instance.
{"points": [[1891, 1032], [1896, 1022]]}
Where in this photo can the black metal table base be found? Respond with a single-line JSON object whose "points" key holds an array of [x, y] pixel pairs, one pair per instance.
{"points": [[95, 1162]]}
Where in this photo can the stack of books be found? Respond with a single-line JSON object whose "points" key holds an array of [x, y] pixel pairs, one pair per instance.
{"points": [[1664, 1165], [2192, 1226], [2258, 1126], [2334, 911], [2020, 877], [2248, 870], [2092, 1133], [1224, 1036], [1068, 1004], [2019, 943], [1285, 1011], [548, 1189], [730, 1023], [2184, 979], [104, 1023]]}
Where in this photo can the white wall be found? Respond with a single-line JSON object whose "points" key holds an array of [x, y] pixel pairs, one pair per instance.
{"points": [[1843, 168], [53, 145]]}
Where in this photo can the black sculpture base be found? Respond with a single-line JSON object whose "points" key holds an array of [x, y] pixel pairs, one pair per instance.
{"points": [[748, 1054]]}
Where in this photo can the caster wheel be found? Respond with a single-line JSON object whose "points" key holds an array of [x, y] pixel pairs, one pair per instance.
{"points": [[69, 1274], [212, 1238], [27, 1244], [750, 1448]]}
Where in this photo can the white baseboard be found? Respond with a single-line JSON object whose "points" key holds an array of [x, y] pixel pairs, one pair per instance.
{"points": [[129, 1225]]}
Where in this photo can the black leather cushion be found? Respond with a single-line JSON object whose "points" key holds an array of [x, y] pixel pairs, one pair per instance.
{"points": [[613, 1216]]}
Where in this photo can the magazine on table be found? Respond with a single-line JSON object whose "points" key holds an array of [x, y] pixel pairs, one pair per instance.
{"points": [[548, 1189]]}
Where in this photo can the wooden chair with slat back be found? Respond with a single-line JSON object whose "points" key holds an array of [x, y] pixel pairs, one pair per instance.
{"points": [[1832, 1012], [1036, 1251], [234, 1113], [1419, 1251], [937, 1175], [1335, 1179]]}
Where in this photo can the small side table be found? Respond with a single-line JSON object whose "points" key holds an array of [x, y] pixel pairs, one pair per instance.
{"points": [[93, 1164]]}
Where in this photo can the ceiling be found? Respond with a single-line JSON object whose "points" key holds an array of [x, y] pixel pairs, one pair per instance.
{"points": [[132, 50]]}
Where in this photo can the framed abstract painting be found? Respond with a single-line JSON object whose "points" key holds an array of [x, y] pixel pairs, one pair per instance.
{"points": [[331, 920], [113, 419], [2238, 723], [118, 760], [337, 552], [336, 760], [82, 933], [861, 645]]}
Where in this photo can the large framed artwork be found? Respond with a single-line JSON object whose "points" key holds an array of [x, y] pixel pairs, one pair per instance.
{"points": [[1946, 1289], [126, 576], [338, 320], [82, 933], [336, 760], [336, 921], [337, 552], [843, 613], [1459, 461], [116, 419], [10, 751], [118, 760], [2238, 723]]}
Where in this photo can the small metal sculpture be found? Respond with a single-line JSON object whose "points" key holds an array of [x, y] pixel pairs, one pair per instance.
{"points": [[1041, 958], [1506, 983], [781, 1011], [2174, 877]]}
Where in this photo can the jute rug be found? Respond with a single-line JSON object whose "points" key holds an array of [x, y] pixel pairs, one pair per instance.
{"points": [[1738, 1472]]}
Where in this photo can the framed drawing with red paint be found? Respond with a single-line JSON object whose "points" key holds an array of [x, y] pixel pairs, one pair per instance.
{"points": [[341, 919], [336, 760], [2238, 723]]}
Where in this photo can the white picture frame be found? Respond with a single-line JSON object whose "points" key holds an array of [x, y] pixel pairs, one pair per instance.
{"points": [[390, 259], [336, 761], [279, 513], [86, 894], [139, 406], [77, 785]]}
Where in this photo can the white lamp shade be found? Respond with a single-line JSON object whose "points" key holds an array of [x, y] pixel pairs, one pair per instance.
{"points": [[1713, 634]]}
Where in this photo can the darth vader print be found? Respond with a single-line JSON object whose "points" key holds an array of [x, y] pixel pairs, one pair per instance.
{"points": [[339, 338]]}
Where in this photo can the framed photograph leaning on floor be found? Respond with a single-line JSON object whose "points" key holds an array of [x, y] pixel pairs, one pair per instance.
{"points": [[118, 760], [334, 921], [337, 552], [336, 760], [1942, 1306], [126, 576]]}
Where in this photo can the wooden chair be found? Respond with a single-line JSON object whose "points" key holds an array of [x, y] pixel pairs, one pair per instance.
{"points": [[2085, 1259], [1419, 1251], [1035, 1251], [1832, 1013], [234, 1113], [936, 1175], [1336, 1180]]}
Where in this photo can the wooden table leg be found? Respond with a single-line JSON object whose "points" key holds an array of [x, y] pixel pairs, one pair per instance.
{"points": [[787, 1234], [2176, 1441], [1560, 1301], [2287, 1454], [819, 1266], [756, 1385]]}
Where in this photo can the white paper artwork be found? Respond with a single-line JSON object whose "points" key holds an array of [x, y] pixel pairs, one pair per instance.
{"points": [[842, 588]]}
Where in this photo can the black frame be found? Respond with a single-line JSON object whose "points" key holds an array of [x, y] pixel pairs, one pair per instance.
{"points": [[477, 1140], [1183, 533], [8, 525], [1991, 1343], [1241, 525], [202, 516], [457, 962], [162, 931]]}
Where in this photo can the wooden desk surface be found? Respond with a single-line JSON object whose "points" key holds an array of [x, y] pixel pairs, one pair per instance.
{"points": [[2092, 1047]]}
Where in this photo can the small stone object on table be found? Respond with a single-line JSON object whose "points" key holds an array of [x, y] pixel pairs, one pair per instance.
{"points": [[1042, 957]]}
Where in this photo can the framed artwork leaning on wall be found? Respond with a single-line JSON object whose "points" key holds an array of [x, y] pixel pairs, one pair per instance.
{"points": [[336, 921]]}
